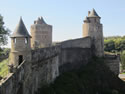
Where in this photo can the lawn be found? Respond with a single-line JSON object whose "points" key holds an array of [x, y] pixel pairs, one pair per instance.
{"points": [[4, 68]]}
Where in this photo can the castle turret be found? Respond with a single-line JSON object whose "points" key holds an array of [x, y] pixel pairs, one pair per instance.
{"points": [[20, 45], [93, 28], [41, 34]]}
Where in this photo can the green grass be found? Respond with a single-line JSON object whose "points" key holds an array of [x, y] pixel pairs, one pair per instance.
{"points": [[4, 68], [123, 73]]}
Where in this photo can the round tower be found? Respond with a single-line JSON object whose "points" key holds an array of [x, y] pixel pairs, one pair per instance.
{"points": [[41, 34], [93, 28], [20, 45]]}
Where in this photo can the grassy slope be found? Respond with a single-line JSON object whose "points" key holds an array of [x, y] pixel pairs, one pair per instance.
{"points": [[4, 68], [95, 78]]}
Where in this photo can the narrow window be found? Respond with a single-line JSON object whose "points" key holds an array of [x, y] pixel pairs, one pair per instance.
{"points": [[20, 89], [14, 40], [26, 40], [20, 59]]}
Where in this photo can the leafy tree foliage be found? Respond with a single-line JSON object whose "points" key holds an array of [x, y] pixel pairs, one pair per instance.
{"points": [[109, 45], [116, 44], [3, 32], [122, 56]]}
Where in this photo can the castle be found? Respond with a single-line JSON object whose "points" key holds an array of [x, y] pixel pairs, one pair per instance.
{"points": [[34, 61], [41, 36], [22, 42]]}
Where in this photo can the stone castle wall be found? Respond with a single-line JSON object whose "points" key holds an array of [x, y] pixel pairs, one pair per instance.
{"points": [[12, 83], [74, 53], [94, 29], [42, 66], [46, 64], [77, 43], [19, 46], [73, 58], [113, 62], [29, 76], [41, 35]]}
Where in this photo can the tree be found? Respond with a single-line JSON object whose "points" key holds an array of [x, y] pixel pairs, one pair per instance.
{"points": [[109, 45], [4, 32], [114, 44], [122, 56], [118, 44]]}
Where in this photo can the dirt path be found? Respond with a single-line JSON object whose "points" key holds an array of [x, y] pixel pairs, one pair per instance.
{"points": [[122, 76]]}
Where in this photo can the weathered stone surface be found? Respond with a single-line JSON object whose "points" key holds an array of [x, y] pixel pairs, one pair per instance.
{"points": [[42, 66], [113, 62], [73, 58], [46, 64], [94, 29], [20, 45], [78, 43], [45, 53], [41, 34], [29, 76]]}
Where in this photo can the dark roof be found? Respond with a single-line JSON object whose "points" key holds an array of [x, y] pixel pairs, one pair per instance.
{"points": [[20, 30], [85, 19], [40, 20], [93, 14]]}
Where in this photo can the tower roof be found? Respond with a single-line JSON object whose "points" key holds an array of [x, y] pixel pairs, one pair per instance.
{"points": [[93, 13], [40, 20], [20, 30], [86, 20]]}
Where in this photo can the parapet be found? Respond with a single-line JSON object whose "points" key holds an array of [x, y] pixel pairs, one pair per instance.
{"points": [[44, 53], [77, 43], [40, 20]]}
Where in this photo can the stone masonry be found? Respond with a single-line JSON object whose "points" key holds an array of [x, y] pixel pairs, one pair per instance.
{"points": [[41, 34], [36, 63], [93, 28]]}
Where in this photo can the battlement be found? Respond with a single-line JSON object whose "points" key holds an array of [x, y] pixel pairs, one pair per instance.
{"points": [[78, 43]]}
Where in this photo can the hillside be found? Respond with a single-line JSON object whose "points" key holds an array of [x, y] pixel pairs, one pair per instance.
{"points": [[95, 78]]}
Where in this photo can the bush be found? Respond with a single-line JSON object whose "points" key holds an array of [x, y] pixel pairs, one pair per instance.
{"points": [[122, 56]]}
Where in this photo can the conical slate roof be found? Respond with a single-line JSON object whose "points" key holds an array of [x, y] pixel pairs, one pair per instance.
{"points": [[20, 30], [93, 14]]}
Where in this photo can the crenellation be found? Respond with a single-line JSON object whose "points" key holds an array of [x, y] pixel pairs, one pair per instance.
{"points": [[41, 33]]}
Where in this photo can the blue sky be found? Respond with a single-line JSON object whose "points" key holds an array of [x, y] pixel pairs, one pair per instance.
{"points": [[66, 16]]}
